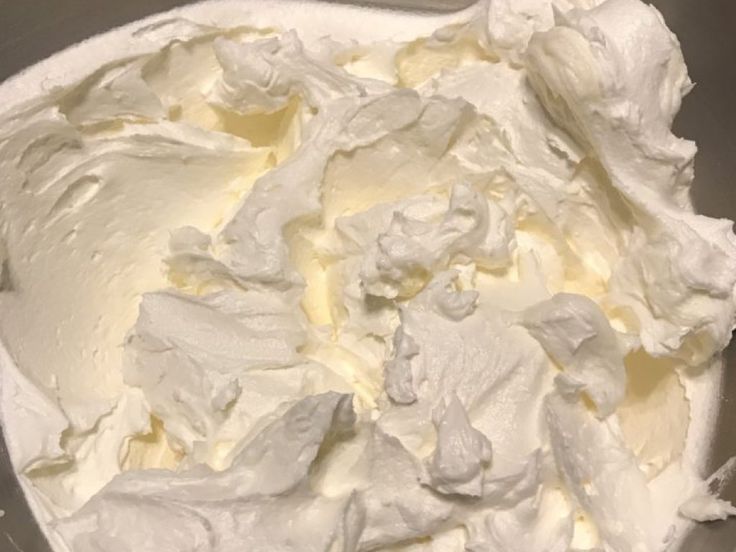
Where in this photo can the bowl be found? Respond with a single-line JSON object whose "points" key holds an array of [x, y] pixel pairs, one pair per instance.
{"points": [[34, 29]]}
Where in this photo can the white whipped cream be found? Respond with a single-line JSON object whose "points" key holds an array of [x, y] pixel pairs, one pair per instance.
{"points": [[430, 284]]}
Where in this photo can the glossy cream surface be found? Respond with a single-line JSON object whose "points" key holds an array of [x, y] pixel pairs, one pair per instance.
{"points": [[280, 281]]}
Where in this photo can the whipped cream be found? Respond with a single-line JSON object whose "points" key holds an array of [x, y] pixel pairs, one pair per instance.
{"points": [[430, 283]]}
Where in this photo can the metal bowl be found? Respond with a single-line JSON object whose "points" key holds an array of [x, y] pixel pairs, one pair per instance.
{"points": [[31, 30]]}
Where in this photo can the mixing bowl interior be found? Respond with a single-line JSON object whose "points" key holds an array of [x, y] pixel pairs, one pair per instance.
{"points": [[33, 29]]}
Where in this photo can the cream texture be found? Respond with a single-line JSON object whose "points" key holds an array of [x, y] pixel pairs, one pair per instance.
{"points": [[436, 287]]}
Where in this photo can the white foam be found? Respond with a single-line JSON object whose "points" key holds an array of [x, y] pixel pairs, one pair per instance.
{"points": [[313, 20], [341, 21]]}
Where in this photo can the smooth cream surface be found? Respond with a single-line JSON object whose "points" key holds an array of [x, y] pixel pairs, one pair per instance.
{"points": [[430, 283]]}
